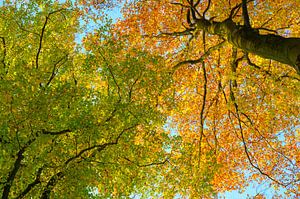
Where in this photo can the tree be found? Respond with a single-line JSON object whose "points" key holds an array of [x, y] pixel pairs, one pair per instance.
{"points": [[235, 66], [175, 99], [76, 122]]}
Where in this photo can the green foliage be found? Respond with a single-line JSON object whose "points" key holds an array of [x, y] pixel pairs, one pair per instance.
{"points": [[75, 120]]}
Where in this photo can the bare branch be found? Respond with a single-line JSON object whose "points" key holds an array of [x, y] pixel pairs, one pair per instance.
{"points": [[267, 72], [20, 157], [56, 132], [32, 184], [25, 30], [50, 185], [203, 102], [180, 4], [246, 14], [197, 3], [99, 147], [40, 43], [233, 99], [266, 29], [42, 35], [271, 18], [112, 74], [236, 9], [194, 10], [175, 34], [289, 25], [207, 8], [15, 169], [55, 66], [195, 61], [131, 87], [147, 165], [4, 52], [266, 140]]}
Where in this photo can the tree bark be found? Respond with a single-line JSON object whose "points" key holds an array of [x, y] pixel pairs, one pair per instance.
{"points": [[278, 48], [51, 184]]}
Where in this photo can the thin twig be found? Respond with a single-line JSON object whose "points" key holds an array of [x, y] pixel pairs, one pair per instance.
{"points": [[180, 4], [267, 72], [147, 165], [112, 74], [175, 34], [55, 66]]}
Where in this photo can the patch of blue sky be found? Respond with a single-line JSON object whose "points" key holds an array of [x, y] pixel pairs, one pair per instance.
{"points": [[112, 14], [253, 190]]}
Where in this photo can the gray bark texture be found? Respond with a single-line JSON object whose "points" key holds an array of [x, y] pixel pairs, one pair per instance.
{"points": [[269, 46]]}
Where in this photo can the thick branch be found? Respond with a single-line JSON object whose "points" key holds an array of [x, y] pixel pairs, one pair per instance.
{"points": [[56, 132], [4, 52], [31, 185], [50, 185], [20, 157], [245, 14], [15, 169], [99, 147]]}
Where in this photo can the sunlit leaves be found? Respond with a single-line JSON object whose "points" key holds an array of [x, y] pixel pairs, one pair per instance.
{"points": [[70, 114], [247, 96]]}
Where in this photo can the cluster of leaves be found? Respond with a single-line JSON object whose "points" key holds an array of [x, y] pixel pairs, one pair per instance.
{"points": [[168, 102], [76, 122], [238, 106]]}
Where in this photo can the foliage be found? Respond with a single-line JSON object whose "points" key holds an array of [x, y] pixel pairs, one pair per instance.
{"points": [[73, 119], [167, 102], [230, 102]]}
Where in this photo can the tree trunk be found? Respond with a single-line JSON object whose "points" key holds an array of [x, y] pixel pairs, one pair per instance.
{"points": [[281, 49]]}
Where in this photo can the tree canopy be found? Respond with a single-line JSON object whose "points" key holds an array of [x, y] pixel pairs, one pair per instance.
{"points": [[181, 98]]}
